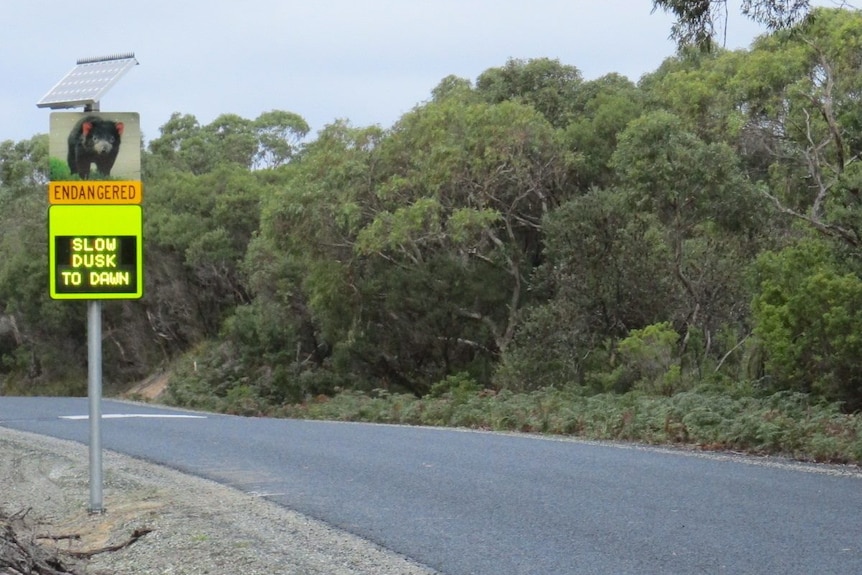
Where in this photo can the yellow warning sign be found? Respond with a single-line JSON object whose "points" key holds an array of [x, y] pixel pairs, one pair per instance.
{"points": [[95, 252], [94, 192]]}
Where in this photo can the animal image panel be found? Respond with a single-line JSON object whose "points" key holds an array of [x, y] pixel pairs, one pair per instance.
{"points": [[95, 146]]}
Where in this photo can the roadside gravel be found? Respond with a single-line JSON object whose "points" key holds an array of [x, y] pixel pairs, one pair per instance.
{"points": [[196, 526]]}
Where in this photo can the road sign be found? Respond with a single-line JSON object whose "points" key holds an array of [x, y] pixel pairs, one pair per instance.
{"points": [[95, 251]]}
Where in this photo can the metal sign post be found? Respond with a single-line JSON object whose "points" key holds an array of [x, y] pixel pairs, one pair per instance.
{"points": [[90, 256], [94, 392]]}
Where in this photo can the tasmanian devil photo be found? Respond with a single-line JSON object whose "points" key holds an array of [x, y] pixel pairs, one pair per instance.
{"points": [[94, 140]]}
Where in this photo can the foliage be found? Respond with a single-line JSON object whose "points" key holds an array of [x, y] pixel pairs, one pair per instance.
{"points": [[460, 385], [59, 169], [602, 110], [548, 349], [701, 22], [271, 140], [606, 271], [809, 317], [709, 212], [718, 418], [408, 251], [547, 85], [800, 91]]}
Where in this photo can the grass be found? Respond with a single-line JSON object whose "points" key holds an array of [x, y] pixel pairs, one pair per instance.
{"points": [[710, 417], [786, 424]]}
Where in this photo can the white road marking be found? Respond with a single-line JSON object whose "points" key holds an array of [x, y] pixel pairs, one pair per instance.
{"points": [[136, 415], [268, 494]]}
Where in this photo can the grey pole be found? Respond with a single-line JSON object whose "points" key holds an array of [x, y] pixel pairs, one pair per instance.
{"points": [[94, 391]]}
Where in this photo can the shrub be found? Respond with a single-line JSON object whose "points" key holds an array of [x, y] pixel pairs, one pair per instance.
{"points": [[546, 350], [809, 319], [650, 355], [459, 386]]}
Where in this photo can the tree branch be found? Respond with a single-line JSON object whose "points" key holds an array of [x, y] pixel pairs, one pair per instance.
{"points": [[831, 230]]}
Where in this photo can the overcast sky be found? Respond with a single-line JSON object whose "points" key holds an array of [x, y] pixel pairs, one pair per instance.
{"points": [[368, 61]]}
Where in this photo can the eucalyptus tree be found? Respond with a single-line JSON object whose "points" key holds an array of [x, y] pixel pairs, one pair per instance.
{"points": [[607, 271], [280, 135], [602, 109], [203, 202], [270, 140], [304, 271], [543, 83], [472, 182], [697, 87], [411, 248], [703, 22], [801, 92], [707, 206]]}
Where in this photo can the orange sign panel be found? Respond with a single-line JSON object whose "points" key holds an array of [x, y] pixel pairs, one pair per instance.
{"points": [[86, 192]]}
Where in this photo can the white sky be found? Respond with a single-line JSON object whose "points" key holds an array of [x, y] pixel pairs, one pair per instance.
{"points": [[368, 61]]}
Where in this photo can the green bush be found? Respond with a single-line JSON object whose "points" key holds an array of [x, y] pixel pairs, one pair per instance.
{"points": [[546, 350], [244, 400], [808, 316], [458, 386], [650, 356]]}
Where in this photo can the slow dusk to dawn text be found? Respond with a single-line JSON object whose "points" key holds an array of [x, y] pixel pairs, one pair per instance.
{"points": [[96, 263]]}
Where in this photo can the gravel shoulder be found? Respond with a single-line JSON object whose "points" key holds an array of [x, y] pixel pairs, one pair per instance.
{"points": [[193, 526]]}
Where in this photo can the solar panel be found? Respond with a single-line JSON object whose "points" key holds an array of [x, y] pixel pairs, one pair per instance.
{"points": [[88, 81]]}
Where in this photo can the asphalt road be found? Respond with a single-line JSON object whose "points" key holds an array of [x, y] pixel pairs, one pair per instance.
{"points": [[468, 503]]}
